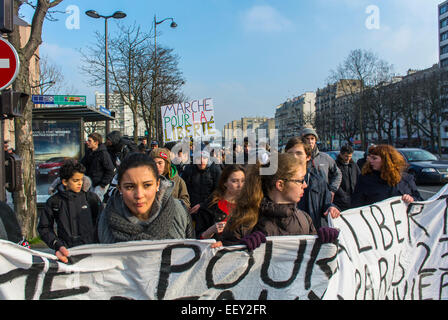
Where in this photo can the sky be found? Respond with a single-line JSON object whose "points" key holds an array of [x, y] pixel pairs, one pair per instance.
{"points": [[250, 56]]}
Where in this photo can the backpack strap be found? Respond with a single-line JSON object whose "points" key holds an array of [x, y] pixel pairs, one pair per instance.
{"points": [[56, 205]]}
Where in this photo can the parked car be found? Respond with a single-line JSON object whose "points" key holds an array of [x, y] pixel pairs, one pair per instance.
{"points": [[425, 167], [356, 155], [50, 168]]}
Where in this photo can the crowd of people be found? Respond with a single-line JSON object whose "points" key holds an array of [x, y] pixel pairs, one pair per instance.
{"points": [[120, 192]]}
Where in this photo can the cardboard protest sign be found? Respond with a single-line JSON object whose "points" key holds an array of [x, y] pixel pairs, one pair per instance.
{"points": [[190, 119]]}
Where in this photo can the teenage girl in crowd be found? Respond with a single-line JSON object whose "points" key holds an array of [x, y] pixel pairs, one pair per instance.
{"points": [[383, 177], [267, 206], [212, 215]]}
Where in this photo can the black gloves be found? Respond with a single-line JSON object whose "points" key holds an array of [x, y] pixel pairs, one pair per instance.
{"points": [[327, 234], [253, 240]]}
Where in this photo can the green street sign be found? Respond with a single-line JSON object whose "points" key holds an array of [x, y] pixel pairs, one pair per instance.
{"points": [[60, 100], [70, 100]]}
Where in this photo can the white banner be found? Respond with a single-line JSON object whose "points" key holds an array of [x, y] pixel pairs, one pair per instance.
{"points": [[383, 253]]}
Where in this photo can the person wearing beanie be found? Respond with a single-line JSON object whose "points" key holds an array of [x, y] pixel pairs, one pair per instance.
{"points": [[161, 157], [322, 161], [201, 178]]}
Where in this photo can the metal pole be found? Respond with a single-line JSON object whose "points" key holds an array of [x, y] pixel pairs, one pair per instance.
{"points": [[155, 79], [2, 163], [107, 75]]}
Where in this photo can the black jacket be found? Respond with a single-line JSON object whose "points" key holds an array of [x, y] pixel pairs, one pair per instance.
{"points": [[200, 183], [207, 216], [350, 174], [75, 215], [9, 225], [317, 197], [274, 220], [120, 148], [100, 168], [371, 189]]}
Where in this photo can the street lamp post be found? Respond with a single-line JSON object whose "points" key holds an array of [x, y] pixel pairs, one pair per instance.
{"points": [[156, 23], [116, 15]]}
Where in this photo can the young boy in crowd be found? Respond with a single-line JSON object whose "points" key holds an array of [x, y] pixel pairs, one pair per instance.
{"points": [[74, 211]]}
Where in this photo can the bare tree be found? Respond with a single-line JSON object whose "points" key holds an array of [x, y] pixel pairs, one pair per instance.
{"points": [[51, 79], [167, 89], [133, 67], [369, 71], [25, 200], [430, 107]]}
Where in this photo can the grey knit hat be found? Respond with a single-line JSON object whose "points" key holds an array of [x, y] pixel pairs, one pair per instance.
{"points": [[308, 131]]}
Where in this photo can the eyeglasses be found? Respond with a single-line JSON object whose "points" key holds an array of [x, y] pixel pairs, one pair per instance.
{"points": [[304, 180]]}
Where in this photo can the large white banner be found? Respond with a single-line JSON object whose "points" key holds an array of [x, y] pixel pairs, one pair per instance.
{"points": [[385, 251]]}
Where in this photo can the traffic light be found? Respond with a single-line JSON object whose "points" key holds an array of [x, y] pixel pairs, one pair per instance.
{"points": [[12, 103], [6, 16], [13, 172]]}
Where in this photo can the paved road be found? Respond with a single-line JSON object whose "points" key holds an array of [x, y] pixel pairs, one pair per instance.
{"points": [[427, 191]]}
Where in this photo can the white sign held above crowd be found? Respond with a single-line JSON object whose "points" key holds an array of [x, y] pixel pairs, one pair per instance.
{"points": [[189, 119]]}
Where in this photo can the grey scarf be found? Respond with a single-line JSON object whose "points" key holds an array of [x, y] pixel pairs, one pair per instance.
{"points": [[126, 227]]}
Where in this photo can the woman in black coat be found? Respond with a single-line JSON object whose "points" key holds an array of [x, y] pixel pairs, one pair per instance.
{"points": [[384, 178]]}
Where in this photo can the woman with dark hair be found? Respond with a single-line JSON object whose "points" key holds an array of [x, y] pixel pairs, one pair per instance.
{"points": [[212, 215], [267, 206], [383, 177], [144, 208]]}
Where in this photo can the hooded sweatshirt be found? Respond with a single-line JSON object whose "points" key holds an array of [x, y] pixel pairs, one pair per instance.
{"points": [[168, 219]]}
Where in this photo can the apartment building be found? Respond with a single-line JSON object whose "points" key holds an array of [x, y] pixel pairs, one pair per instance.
{"points": [[294, 114]]}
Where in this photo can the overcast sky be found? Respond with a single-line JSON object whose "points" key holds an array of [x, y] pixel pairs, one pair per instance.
{"points": [[252, 55]]}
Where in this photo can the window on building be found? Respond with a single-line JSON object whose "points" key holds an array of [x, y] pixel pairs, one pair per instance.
{"points": [[444, 50], [444, 9], [444, 36], [444, 23], [444, 63]]}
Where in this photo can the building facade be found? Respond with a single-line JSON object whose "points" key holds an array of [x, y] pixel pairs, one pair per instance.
{"points": [[443, 34], [124, 119], [246, 125], [293, 115]]}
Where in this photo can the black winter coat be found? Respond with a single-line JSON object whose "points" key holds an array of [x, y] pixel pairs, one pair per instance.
{"points": [[274, 220], [317, 197], [200, 183], [350, 174], [75, 215], [100, 168], [9, 225], [371, 189], [206, 217]]}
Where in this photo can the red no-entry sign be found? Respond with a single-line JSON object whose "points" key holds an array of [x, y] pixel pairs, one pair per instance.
{"points": [[9, 64]]}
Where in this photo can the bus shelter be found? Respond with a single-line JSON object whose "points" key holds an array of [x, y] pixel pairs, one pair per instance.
{"points": [[58, 134]]}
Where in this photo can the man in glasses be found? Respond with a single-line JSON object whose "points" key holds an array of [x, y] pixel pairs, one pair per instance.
{"points": [[317, 198]]}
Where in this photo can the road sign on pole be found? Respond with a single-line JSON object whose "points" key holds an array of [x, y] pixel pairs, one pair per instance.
{"points": [[9, 64]]}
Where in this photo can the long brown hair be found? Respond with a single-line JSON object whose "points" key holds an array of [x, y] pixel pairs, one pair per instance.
{"points": [[256, 187], [220, 190], [393, 163]]}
